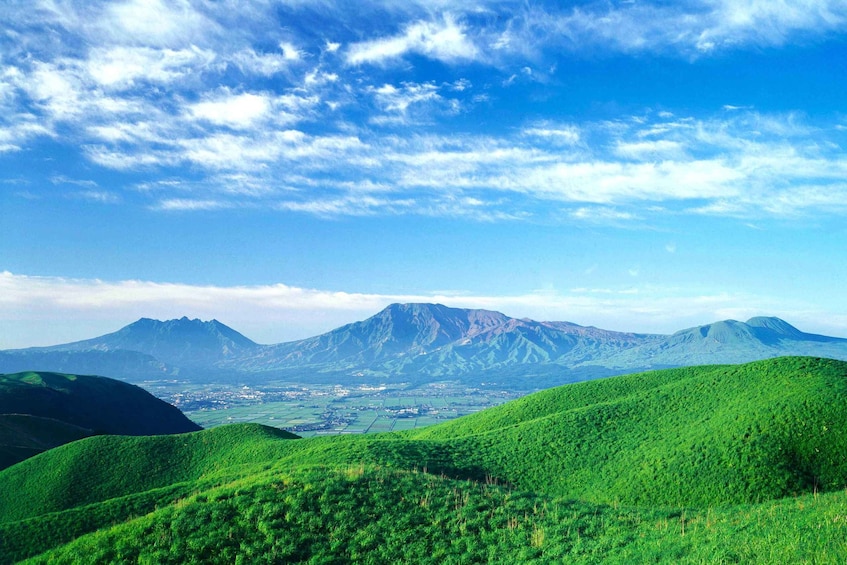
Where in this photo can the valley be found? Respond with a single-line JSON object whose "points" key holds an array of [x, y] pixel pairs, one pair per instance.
{"points": [[321, 409]]}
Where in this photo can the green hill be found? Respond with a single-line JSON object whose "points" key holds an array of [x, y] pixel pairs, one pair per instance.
{"points": [[40, 410], [692, 436], [737, 463]]}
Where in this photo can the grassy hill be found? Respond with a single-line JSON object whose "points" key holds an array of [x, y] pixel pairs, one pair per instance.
{"points": [[692, 436], [40, 410], [707, 464]]}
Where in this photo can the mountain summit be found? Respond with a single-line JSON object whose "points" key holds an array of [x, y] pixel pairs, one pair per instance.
{"points": [[182, 342], [436, 340]]}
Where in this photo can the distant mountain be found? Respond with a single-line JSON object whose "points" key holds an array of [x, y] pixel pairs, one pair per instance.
{"points": [[183, 342], [730, 341], [142, 350], [417, 342], [41, 410], [434, 340], [120, 363]]}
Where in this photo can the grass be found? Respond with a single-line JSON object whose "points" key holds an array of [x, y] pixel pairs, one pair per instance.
{"points": [[376, 515], [715, 464]]}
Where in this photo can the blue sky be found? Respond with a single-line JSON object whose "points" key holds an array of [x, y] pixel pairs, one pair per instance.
{"points": [[290, 166]]}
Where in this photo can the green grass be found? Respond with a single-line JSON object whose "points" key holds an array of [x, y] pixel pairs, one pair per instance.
{"points": [[373, 515], [694, 436], [717, 464]]}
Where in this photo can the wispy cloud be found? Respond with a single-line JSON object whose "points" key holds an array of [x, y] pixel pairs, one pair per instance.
{"points": [[122, 67], [692, 27], [160, 88], [187, 204], [444, 40]]}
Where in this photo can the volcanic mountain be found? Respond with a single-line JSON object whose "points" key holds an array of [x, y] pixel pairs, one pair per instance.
{"points": [[419, 342]]}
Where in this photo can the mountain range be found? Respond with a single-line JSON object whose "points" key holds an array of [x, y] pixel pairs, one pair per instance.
{"points": [[418, 342]]}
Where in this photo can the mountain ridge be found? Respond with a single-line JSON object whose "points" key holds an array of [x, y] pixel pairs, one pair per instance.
{"points": [[420, 341]]}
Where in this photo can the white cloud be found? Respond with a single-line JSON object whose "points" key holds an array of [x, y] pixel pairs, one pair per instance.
{"points": [[129, 160], [253, 62], [169, 101], [768, 22], [693, 27], [289, 51], [567, 134], [187, 204], [122, 66], [445, 41], [238, 111], [410, 103], [101, 196], [57, 90], [133, 132], [154, 22], [19, 129], [243, 152], [601, 215], [348, 206]]}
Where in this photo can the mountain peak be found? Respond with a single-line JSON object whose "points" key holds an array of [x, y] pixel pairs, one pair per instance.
{"points": [[774, 324], [179, 341]]}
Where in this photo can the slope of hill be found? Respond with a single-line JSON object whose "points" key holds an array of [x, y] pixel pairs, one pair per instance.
{"points": [[372, 515], [682, 465], [39, 410]]}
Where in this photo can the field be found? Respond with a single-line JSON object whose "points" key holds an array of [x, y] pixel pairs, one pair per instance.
{"points": [[328, 409]]}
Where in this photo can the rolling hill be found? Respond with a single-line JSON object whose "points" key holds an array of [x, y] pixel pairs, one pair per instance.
{"points": [[419, 342], [721, 463], [40, 410]]}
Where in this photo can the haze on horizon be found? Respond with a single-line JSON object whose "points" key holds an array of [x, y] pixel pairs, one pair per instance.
{"points": [[289, 167]]}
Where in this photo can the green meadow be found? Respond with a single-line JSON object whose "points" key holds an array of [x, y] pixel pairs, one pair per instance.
{"points": [[712, 464]]}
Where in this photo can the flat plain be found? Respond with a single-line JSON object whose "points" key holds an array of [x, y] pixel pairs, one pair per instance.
{"points": [[328, 409]]}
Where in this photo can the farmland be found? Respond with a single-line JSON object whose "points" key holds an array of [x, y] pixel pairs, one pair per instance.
{"points": [[328, 409]]}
